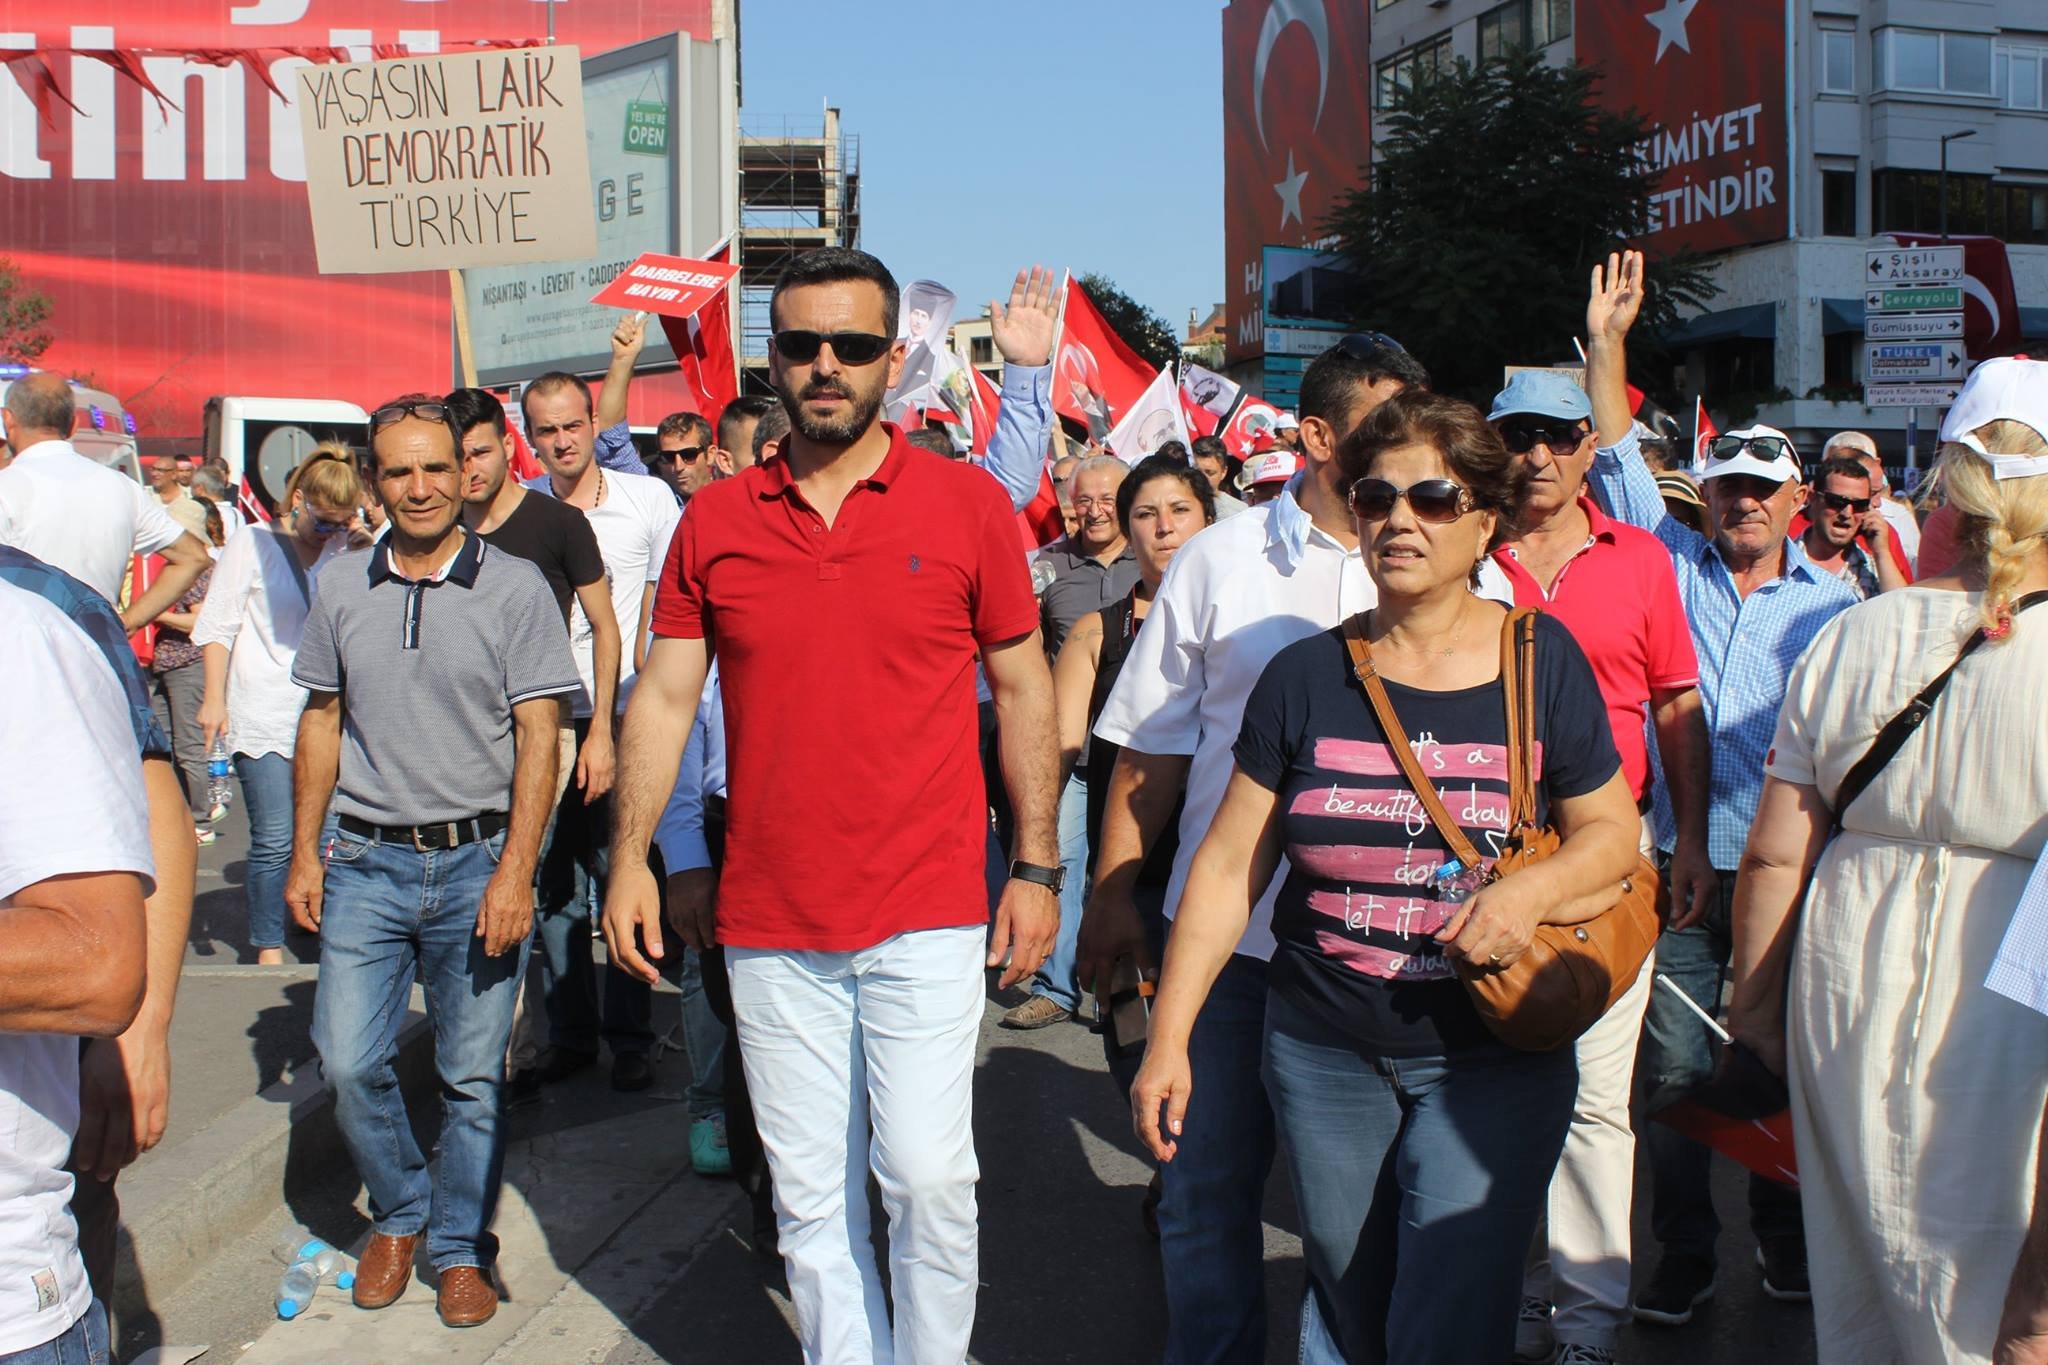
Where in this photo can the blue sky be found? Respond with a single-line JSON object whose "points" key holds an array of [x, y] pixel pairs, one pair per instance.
{"points": [[1077, 133]]}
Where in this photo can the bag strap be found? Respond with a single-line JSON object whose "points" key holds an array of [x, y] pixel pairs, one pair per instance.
{"points": [[1518, 693], [1397, 739], [1901, 727]]}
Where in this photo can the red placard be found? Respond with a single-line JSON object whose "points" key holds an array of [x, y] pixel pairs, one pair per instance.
{"points": [[673, 286], [1711, 78], [177, 252], [1297, 134]]}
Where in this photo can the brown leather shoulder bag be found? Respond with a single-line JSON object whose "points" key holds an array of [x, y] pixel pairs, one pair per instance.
{"points": [[1572, 973]]}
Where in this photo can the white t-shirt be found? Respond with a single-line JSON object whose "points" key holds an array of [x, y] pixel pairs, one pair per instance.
{"points": [[80, 516], [65, 714], [256, 608], [634, 525], [1905, 528]]}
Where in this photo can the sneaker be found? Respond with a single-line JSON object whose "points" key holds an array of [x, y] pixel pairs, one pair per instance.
{"points": [[206, 834], [1580, 1354], [522, 1090], [1037, 1012], [1783, 1262], [708, 1153], [217, 814], [1681, 1284], [1534, 1343]]}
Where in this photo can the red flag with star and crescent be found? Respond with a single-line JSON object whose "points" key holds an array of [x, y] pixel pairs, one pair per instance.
{"points": [[1096, 376], [1710, 77], [1297, 135]]}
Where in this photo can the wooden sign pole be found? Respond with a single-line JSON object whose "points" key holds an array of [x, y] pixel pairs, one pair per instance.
{"points": [[459, 299]]}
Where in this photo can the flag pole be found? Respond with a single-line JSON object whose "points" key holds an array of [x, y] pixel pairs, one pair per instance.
{"points": [[458, 299], [1668, 984]]}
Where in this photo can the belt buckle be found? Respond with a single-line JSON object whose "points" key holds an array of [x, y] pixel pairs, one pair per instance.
{"points": [[418, 844]]}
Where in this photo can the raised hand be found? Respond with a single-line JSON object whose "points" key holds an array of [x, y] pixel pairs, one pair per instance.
{"points": [[1615, 299], [629, 336], [1024, 330]]}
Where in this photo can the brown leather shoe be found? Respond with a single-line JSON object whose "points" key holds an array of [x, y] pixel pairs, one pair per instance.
{"points": [[466, 1298], [384, 1270]]}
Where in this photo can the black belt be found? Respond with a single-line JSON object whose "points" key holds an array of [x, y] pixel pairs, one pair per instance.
{"points": [[426, 838]]}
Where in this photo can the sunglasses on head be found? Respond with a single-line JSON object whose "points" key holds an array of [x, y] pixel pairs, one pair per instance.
{"points": [[398, 412], [1368, 345], [1434, 500], [1838, 502], [1768, 447], [1559, 438], [848, 348]]}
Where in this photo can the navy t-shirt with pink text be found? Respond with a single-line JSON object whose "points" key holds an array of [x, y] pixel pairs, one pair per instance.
{"points": [[1357, 915]]}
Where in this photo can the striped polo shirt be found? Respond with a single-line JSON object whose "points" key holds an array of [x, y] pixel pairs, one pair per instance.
{"points": [[428, 671]]}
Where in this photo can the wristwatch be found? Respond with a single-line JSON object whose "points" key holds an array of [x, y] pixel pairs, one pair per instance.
{"points": [[1052, 878]]}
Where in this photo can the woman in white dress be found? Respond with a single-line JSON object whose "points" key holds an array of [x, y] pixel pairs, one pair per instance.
{"points": [[1917, 1093]]}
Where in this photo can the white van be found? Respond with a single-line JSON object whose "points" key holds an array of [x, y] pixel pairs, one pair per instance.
{"points": [[105, 430], [264, 439]]}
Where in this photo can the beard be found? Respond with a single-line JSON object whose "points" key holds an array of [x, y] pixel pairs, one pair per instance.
{"points": [[862, 409]]}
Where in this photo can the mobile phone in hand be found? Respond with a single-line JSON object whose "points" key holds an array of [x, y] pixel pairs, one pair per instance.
{"points": [[1130, 1006]]}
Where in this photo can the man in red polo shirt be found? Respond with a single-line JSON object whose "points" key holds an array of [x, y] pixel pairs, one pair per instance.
{"points": [[1613, 586], [847, 586]]}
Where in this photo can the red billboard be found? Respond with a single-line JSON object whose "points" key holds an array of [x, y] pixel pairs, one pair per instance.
{"points": [[1297, 134], [173, 238], [1711, 79]]}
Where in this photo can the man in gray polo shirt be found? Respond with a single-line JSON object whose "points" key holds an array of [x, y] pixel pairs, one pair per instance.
{"points": [[438, 668]]}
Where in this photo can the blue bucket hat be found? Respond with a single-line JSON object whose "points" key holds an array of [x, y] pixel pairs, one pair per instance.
{"points": [[1542, 393]]}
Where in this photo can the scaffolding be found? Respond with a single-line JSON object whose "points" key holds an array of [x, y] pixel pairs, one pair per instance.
{"points": [[799, 190]]}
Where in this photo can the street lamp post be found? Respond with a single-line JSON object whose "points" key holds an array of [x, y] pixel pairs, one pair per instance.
{"points": [[1947, 138]]}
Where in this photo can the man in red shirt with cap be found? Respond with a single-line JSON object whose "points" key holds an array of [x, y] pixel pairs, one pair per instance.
{"points": [[847, 587]]}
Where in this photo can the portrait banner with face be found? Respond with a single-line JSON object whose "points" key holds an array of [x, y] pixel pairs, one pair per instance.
{"points": [[926, 313], [446, 160], [1151, 422], [1206, 398]]}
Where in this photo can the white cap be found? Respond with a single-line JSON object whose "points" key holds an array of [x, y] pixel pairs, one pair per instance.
{"points": [[1275, 466], [1777, 468], [1286, 421], [2009, 389]]}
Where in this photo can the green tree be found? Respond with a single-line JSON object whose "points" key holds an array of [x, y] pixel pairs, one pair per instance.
{"points": [[1143, 330], [22, 313], [1494, 193]]}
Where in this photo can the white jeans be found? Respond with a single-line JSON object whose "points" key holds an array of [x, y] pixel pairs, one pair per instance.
{"points": [[834, 1043], [1592, 1193]]}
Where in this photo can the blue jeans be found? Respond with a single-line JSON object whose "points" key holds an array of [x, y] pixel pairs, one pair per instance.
{"points": [[1419, 1182], [267, 788], [1677, 1055], [85, 1343], [573, 867], [704, 1040], [393, 914], [1056, 978]]}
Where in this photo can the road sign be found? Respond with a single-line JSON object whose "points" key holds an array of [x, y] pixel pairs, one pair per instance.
{"points": [[1910, 395], [1913, 265], [1913, 327], [1940, 299], [1888, 362]]}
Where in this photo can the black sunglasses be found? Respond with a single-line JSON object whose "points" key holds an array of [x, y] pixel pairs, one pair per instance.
{"points": [[1560, 438], [848, 348], [688, 454], [1836, 502], [398, 412], [1368, 345], [1728, 447], [1435, 500]]}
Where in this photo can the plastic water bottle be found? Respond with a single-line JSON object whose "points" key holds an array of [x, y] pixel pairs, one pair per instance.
{"points": [[299, 1245], [296, 1290], [218, 791], [1455, 882]]}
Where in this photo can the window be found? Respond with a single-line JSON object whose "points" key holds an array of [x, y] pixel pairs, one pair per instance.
{"points": [[1838, 201], [1837, 61], [1523, 24], [981, 350], [2019, 76], [2019, 213], [1406, 70], [1939, 63], [1910, 201]]}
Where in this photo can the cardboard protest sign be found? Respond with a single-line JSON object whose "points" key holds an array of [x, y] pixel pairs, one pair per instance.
{"points": [[673, 286], [445, 160]]}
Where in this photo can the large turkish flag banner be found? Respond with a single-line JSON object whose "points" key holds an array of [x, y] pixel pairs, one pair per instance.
{"points": [[1710, 75], [1297, 134], [175, 244], [1991, 306]]}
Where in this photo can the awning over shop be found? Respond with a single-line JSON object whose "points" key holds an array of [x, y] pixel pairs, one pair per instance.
{"points": [[1756, 322], [1840, 315]]}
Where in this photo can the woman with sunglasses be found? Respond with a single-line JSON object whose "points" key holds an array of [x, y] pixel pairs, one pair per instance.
{"points": [[1420, 1146], [248, 631]]}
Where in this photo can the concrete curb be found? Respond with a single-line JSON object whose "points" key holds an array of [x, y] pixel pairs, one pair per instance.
{"points": [[180, 1205]]}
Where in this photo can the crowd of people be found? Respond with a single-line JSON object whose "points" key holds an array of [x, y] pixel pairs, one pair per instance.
{"points": [[1287, 762]]}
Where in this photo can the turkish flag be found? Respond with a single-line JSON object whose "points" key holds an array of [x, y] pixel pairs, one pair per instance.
{"points": [[1297, 135], [1710, 79], [1991, 310], [1254, 418], [703, 345], [1097, 376], [1703, 434], [982, 412], [1763, 1145]]}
